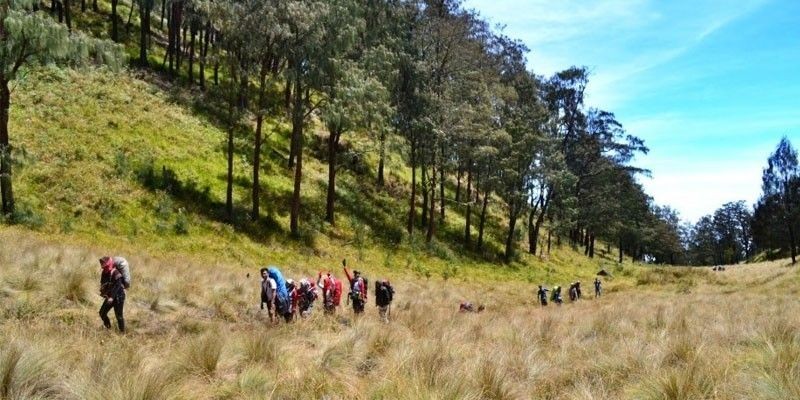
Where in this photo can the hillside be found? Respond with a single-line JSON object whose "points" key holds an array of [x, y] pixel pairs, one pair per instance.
{"points": [[123, 161], [196, 333]]}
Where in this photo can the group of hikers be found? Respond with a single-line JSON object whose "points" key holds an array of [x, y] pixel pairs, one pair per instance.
{"points": [[541, 295], [289, 299], [281, 297], [575, 293]]}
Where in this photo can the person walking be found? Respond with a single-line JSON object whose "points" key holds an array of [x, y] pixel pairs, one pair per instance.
{"points": [[542, 294], [269, 289], [358, 289], [598, 288], [112, 289], [384, 294]]}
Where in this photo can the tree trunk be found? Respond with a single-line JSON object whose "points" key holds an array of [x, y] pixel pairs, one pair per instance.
{"points": [[549, 240], [171, 38], [382, 158], [203, 54], [83, 6], [792, 247], [425, 195], [620, 251], [591, 246], [68, 15], [512, 223], [192, 36], [216, 73], [180, 42], [412, 203], [297, 138], [482, 222], [468, 213], [258, 140], [6, 191], [459, 175], [114, 27], [287, 99], [229, 189], [163, 11], [144, 37], [586, 243], [130, 15], [432, 204], [533, 235], [95, 8], [257, 168], [441, 191], [333, 141]]}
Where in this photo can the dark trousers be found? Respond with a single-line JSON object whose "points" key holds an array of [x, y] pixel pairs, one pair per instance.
{"points": [[117, 305], [358, 305]]}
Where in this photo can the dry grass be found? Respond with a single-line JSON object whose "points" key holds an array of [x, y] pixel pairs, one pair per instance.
{"points": [[196, 333]]}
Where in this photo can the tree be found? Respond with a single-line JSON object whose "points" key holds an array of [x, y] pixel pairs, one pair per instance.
{"points": [[780, 179], [28, 38], [145, 9], [304, 22], [347, 80]]}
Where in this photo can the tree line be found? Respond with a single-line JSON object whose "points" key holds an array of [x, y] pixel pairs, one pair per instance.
{"points": [[477, 125], [737, 232]]}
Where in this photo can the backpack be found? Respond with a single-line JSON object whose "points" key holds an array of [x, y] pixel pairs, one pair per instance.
{"points": [[337, 291], [384, 292], [121, 264], [359, 294]]}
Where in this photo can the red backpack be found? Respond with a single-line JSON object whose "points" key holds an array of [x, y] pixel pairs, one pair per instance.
{"points": [[337, 291]]}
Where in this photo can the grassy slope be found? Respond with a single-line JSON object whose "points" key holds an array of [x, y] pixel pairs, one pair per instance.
{"points": [[196, 333], [87, 139]]}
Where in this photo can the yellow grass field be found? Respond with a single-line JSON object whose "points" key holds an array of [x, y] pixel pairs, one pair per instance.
{"points": [[195, 332]]}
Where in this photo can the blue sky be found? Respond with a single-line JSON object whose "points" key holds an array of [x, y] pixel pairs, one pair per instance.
{"points": [[710, 85]]}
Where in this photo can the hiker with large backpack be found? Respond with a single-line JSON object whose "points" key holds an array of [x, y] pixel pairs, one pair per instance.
{"points": [[542, 295], [384, 294], [112, 288], [331, 291], [557, 295], [306, 296], [573, 292], [283, 305], [269, 289], [358, 289]]}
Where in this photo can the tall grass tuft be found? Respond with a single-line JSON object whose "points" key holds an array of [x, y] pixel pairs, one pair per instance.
{"points": [[202, 355], [27, 374]]}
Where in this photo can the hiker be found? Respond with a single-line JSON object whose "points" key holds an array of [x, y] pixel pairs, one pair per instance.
{"points": [[467, 306], [557, 295], [112, 288], [578, 290], [573, 292], [268, 292], [542, 294], [307, 295], [331, 291], [384, 294], [283, 306], [294, 298], [358, 289], [597, 287]]}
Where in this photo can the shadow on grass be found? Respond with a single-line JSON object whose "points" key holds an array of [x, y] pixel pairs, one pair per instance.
{"points": [[200, 201]]}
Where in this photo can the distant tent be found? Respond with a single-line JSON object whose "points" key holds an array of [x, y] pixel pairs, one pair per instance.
{"points": [[602, 273]]}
